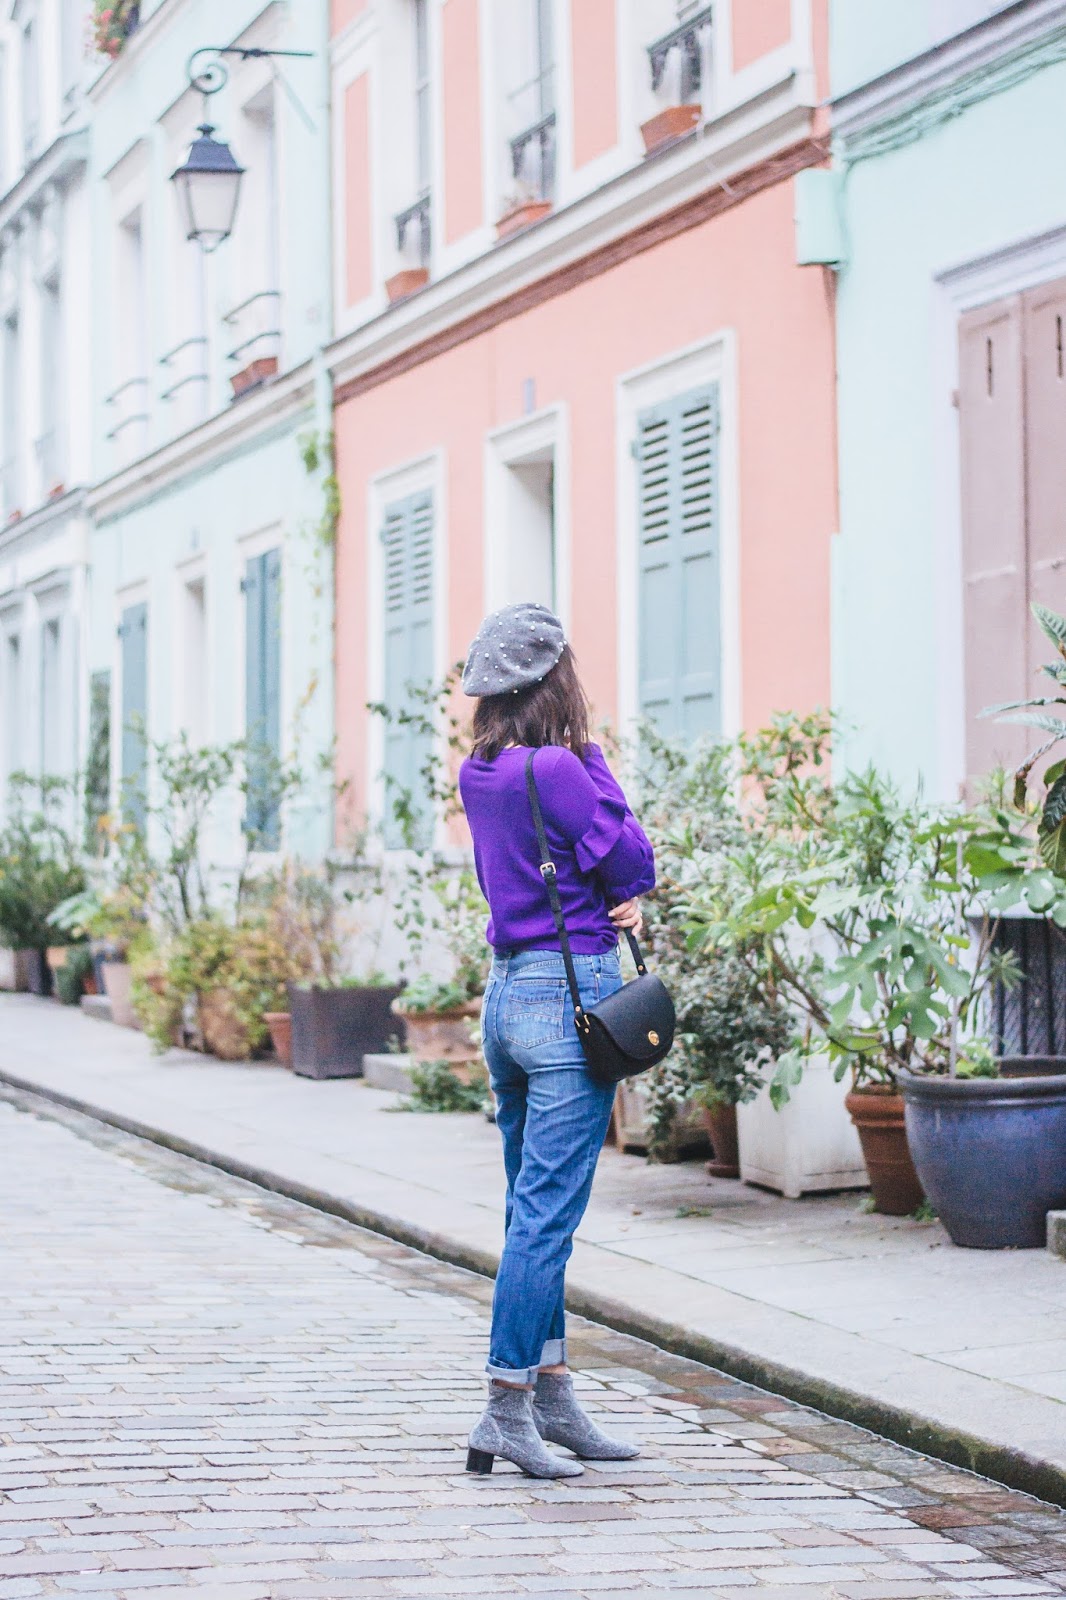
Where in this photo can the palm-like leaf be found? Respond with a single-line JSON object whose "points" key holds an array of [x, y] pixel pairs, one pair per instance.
{"points": [[1053, 625]]}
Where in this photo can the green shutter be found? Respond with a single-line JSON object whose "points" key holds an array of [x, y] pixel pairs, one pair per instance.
{"points": [[133, 632], [679, 605], [407, 541], [262, 601]]}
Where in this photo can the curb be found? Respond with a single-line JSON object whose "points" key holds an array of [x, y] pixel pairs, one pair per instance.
{"points": [[1015, 1469]]}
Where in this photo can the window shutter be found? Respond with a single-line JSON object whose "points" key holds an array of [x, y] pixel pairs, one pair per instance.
{"points": [[1044, 327], [992, 457], [679, 649], [134, 635], [262, 596], [407, 540]]}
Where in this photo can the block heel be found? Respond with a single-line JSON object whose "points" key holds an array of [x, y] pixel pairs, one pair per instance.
{"points": [[479, 1461]]}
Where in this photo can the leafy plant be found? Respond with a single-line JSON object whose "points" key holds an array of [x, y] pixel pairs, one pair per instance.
{"points": [[1033, 713], [39, 859], [871, 917], [70, 977], [728, 1025], [437, 1088], [113, 22]]}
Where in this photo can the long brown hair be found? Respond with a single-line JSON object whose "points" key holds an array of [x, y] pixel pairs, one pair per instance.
{"points": [[553, 711]]}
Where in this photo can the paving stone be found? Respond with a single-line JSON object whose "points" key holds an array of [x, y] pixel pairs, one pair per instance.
{"points": [[217, 1410]]}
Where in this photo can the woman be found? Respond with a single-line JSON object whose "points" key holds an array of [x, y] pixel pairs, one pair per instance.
{"points": [[552, 1115]]}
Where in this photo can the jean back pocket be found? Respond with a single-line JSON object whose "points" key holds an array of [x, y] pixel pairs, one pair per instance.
{"points": [[534, 1011]]}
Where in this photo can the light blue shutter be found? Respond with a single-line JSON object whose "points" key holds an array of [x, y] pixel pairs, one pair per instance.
{"points": [[679, 647], [133, 632], [262, 598], [407, 540]]}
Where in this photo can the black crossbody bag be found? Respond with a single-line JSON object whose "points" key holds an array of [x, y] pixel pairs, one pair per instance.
{"points": [[633, 1028]]}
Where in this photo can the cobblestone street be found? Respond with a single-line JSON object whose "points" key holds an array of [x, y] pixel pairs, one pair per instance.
{"points": [[206, 1388]]}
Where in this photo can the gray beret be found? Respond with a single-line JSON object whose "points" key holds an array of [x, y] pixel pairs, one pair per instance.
{"points": [[514, 649]]}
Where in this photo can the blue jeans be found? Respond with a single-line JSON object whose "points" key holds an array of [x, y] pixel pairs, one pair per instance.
{"points": [[553, 1119]]}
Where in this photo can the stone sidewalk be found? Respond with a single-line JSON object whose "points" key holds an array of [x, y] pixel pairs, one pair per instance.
{"points": [[962, 1353]]}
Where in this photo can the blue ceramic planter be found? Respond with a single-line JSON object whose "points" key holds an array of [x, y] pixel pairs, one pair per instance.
{"points": [[991, 1154]]}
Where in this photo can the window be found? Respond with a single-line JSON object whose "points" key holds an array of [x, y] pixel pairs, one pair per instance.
{"points": [[13, 690], [11, 420], [423, 169], [128, 401], [532, 103], [1012, 422], [133, 637], [254, 323], [194, 676], [31, 91], [679, 630], [414, 224], [72, 46], [262, 654], [407, 538], [52, 707], [49, 448]]}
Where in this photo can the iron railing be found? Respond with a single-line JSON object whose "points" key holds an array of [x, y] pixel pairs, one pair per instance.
{"points": [[686, 38]]}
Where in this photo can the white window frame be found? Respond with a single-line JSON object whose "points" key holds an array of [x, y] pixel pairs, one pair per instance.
{"points": [[712, 360], [507, 447], [421, 474], [961, 287]]}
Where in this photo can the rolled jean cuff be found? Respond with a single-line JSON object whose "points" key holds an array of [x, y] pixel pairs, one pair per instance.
{"points": [[553, 1354]]}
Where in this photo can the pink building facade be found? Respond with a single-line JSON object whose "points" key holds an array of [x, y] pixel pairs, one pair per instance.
{"points": [[576, 360]]}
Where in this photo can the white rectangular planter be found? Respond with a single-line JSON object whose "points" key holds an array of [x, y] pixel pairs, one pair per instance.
{"points": [[13, 974], [809, 1145]]}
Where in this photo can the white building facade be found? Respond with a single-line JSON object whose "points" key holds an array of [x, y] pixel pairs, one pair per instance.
{"points": [[45, 445]]}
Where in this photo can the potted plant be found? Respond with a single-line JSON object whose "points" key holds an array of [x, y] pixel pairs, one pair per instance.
{"points": [[113, 23], [441, 918], [992, 1148], [521, 209], [39, 868], [727, 1027]]}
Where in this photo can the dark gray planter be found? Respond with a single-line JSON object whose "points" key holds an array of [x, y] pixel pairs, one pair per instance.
{"points": [[38, 972], [333, 1029], [990, 1153]]}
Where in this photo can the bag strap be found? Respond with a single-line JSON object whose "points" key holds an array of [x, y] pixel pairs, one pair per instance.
{"points": [[548, 873]]}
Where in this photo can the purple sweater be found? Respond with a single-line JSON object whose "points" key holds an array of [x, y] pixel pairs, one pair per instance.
{"points": [[601, 854]]}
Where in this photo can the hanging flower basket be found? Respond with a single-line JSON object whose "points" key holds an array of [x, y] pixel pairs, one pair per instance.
{"points": [[113, 22]]}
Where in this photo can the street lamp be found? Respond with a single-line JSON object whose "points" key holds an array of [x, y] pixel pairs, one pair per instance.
{"points": [[209, 181], [209, 186]]}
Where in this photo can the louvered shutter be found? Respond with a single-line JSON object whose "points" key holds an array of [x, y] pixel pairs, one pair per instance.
{"points": [[992, 456], [1044, 330], [407, 540], [262, 602], [133, 633], [679, 646]]}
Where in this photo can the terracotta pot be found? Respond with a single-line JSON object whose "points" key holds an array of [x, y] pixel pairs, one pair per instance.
{"points": [[88, 984], [721, 1125], [224, 1033], [442, 1035], [117, 981], [522, 216], [668, 125], [251, 376], [409, 281], [877, 1112], [56, 955], [280, 1025]]}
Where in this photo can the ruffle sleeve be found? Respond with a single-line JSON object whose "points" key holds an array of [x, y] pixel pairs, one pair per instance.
{"points": [[602, 833]]}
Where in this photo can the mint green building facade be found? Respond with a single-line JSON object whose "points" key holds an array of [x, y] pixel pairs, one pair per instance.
{"points": [[949, 171], [211, 588]]}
